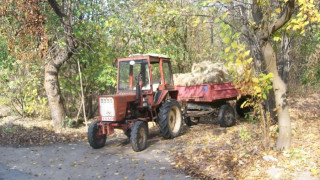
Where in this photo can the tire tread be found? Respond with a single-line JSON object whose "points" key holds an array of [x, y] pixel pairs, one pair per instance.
{"points": [[92, 140], [163, 119]]}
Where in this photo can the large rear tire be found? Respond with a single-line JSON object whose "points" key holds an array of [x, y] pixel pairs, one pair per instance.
{"points": [[226, 116], [139, 135], [170, 119], [95, 138]]}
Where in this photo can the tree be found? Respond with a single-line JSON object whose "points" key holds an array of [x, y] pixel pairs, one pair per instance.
{"points": [[29, 42], [261, 24], [270, 59], [58, 55], [48, 41]]}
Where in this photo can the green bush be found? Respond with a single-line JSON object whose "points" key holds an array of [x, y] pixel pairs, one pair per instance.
{"points": [[22, 88]]}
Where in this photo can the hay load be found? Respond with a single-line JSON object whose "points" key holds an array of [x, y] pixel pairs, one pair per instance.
{"points": [[203, 73]]}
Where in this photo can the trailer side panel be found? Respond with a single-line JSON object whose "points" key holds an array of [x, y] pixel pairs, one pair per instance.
{"points": [[206, 92]]}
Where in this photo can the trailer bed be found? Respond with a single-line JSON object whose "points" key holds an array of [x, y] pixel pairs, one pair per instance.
{"points": [[207, 92]]}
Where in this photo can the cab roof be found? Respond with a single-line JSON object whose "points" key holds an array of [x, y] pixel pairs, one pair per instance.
{"points": [[151, 57], [150, 54]]}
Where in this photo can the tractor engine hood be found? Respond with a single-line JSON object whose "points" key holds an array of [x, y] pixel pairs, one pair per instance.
{"points": [[114, 107]]}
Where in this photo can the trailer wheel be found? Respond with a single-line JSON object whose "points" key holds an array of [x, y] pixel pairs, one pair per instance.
{"points": [[242, 111], [170, 119], [127, 132], [139, 136], [190, 122], [226, 116], [95, 138]]}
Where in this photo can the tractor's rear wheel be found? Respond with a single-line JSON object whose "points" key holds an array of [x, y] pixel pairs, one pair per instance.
{"points": [[226, 116], [170, 119], [95, 137], [139, 135]]}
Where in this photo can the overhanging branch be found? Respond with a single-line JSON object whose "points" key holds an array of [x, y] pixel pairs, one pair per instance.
{"points": [[286, 16]]}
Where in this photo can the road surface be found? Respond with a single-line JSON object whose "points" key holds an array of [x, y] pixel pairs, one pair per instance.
{"points": [[79, 161]]}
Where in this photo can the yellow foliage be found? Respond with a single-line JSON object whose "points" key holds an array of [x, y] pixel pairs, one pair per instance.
{"points": [[227, 49], [247, 53], [257, 89], [196, 22], [255, 80], [307, 12], [276, 38]]}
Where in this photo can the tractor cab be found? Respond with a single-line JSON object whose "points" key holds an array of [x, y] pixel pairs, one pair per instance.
{"points": [[146, 76]]}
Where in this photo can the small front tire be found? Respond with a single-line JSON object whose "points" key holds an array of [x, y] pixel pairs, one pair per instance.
{"points": [[139, 135], [95, 137]]}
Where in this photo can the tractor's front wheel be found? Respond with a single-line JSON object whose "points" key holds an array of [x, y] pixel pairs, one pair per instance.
{"points": [[95, 137], [139, 135], [170, 119]]}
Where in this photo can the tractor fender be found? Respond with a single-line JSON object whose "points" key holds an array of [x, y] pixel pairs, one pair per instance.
{"points": [[161, 96], [172, 93]]}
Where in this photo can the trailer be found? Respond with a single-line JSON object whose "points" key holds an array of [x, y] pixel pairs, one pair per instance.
{"points": [[204, 99]]}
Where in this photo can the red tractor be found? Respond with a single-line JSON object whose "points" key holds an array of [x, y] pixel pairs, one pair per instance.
{"points": [[145, 92]]}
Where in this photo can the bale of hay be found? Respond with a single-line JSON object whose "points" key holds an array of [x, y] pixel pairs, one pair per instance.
{"points": [[204, 72], [182, 79]]}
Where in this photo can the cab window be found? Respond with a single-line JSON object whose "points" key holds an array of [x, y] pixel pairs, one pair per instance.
{"points": [[135, 67], [167, 72]]}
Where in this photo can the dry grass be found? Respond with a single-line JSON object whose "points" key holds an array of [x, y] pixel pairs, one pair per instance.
{"points": [[203, 73]]}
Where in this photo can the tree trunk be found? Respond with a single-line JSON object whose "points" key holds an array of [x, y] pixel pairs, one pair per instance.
{"points": [[52, 88], [267, 29], [280, 92]]}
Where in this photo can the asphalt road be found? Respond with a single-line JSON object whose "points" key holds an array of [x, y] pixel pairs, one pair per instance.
{"points": [[79, 161]]}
